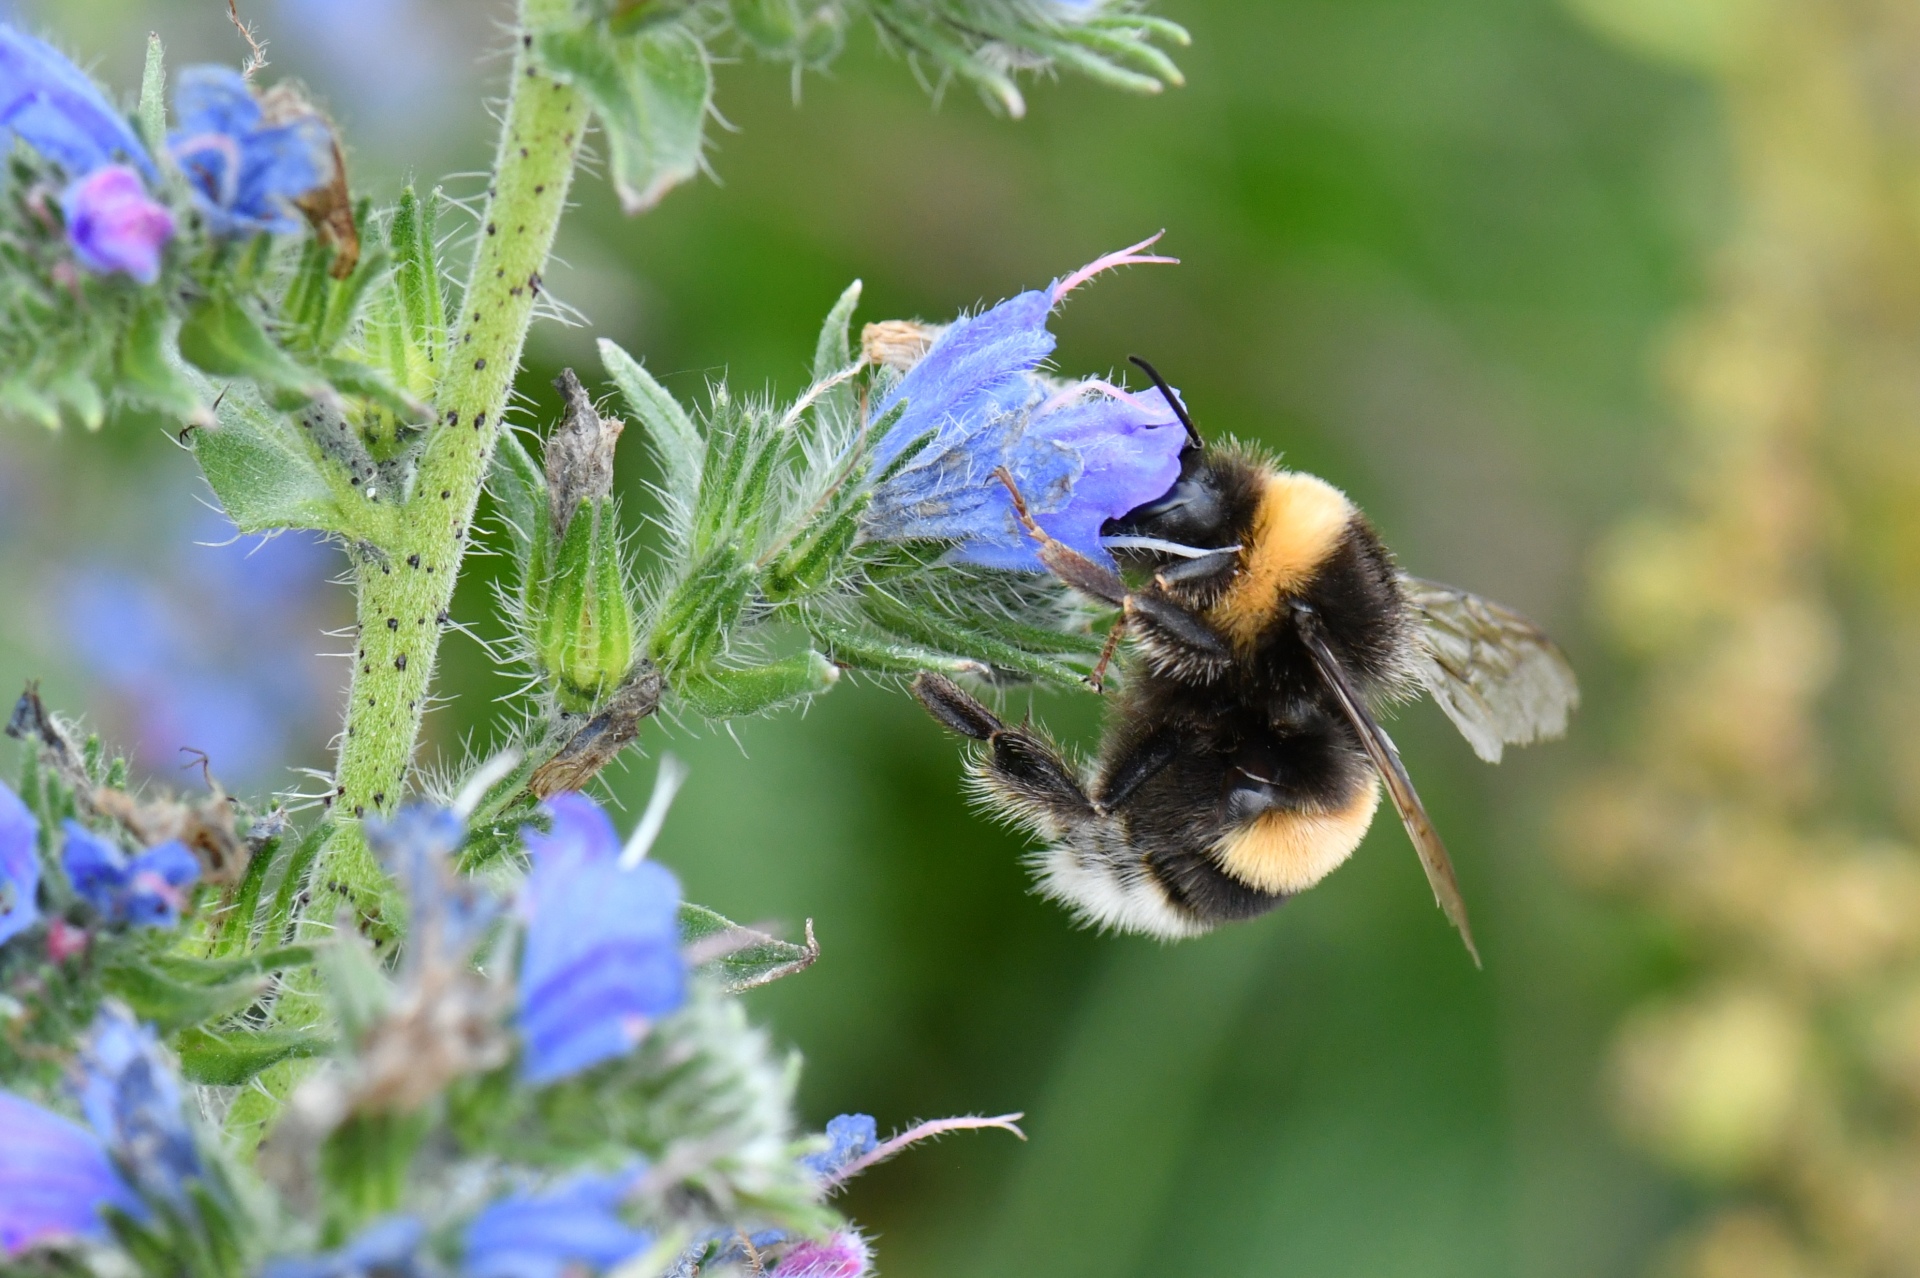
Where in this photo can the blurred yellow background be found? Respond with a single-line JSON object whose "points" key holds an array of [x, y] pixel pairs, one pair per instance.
{"points": [[1606, 310]]}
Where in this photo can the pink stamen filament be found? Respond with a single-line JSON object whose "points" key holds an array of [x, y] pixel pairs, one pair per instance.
{"points": [[924, 1131], [1129, 256]]}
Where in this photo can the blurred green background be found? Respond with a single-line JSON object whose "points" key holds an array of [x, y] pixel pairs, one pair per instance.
{"points": [[1430, 251]]}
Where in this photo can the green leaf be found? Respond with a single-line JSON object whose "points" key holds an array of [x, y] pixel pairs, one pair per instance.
{"points": [[356, 378], [732, 694], [745, 957], [417, 271], [859, 648], [920, 626], [149, 364], [652, 91], [693, 624], [222, 336], [153, 97], [173, 1004], [234, 1057], [196, 971], [264, 471], [834, 350], [521, 491], [676, 441]]}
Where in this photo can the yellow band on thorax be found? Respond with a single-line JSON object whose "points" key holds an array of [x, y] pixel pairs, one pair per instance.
{"points": [[1296, 527]]}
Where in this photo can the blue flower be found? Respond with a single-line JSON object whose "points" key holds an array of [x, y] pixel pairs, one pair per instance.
{"points": [[114, 225], [850, 1137], [132, 1101], [449, 913], [146, 891], [54, 1178], [602, 958], [19, 866], [548, 1234], [53, 107], [243, 171], [1081, 455], [389, 1248]]}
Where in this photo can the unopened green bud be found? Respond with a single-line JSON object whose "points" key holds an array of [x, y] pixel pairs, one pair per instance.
{"points": [[578, 615], [584, 638], [771, 26], [823, 37]]}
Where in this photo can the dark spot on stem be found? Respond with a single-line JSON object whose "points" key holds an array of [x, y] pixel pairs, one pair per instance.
{"points": [[393, 623], [413, 561], [400, 662]]}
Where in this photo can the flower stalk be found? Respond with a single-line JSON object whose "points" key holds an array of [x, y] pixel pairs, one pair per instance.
{"points": [[404, 588]]}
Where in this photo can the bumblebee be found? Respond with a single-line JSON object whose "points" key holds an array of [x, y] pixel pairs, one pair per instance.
{"points": [[1242, 762]]}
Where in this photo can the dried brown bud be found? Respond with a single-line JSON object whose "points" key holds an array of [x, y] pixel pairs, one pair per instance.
{"points": [[579, 454], [604, 736], [898, 344], [328, 206]]}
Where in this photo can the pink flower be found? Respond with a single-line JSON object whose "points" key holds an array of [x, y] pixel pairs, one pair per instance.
{"points": [[64, 940], [114, 225], [844, 1255]]}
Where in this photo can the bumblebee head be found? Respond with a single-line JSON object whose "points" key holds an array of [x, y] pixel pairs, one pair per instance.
{"points": [[1194, 512], [1197, 510]]}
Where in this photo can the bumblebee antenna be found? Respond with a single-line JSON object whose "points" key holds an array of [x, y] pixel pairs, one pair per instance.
{"points": [[1179, 409]]}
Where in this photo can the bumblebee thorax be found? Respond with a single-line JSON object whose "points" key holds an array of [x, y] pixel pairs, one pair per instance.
{"points": [[1298, 523]]}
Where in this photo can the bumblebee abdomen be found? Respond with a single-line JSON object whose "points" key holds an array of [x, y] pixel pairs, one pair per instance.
{"points": [[1287, 850]]}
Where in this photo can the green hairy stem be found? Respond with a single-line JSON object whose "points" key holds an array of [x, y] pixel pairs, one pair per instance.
{"points": [[405, 587]]}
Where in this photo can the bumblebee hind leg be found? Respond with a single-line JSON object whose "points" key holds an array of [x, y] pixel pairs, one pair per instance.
{"points": [[1091, 866], [1021, 772]]}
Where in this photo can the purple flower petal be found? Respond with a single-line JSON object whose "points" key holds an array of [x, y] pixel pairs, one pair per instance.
{"points": [[53, 107], [243, 173], [19, 866], [450, 910], [55, 1178], [132, 1100], [389, 1248], [147, 891], [602, 957], [548, 1234], [1078, 461], [849, 1137], [113, 225]]}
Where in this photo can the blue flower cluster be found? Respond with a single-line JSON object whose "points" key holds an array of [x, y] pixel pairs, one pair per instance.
{"points": [[57, 1177], [19, 866], [206, 648], [1083, 453], [243, 170], [147, 889], [600, 962]]}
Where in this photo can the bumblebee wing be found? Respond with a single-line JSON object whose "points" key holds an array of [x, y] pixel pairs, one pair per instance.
{"points": [[1406, 800], [1498, 677]]}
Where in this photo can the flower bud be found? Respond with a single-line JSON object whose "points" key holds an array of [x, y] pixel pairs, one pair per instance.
{"points": [[897, 344], [584, 640], [771, 26], [579, 617], [114, 225]]}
